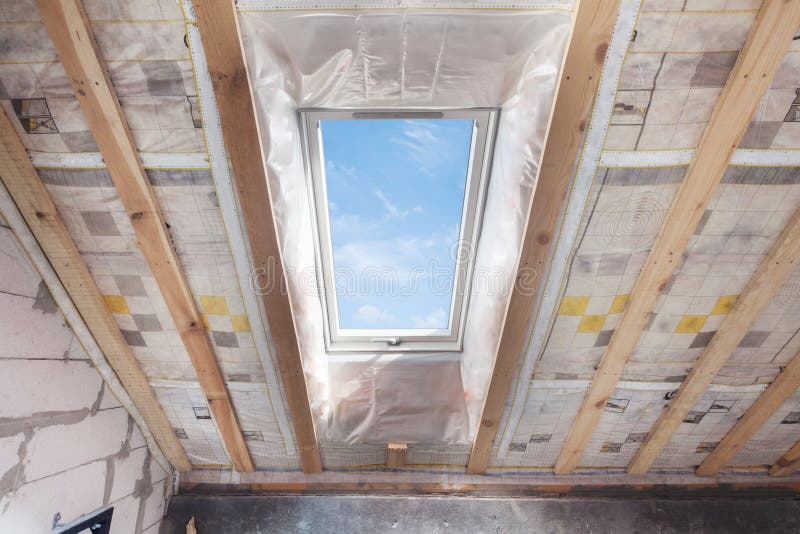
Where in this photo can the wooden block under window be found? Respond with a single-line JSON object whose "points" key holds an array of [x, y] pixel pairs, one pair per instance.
{"points": [[396, 455]]}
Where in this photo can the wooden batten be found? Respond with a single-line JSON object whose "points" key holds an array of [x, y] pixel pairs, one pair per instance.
{"points": [[219, 31], [31, 197], [745, 428], [752, 74], [788, 463], [773, 272], [594, 24], [396, 455], [67, 23]]}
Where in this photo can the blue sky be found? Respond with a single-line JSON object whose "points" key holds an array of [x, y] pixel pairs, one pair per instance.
{"points": [[395, 193]]}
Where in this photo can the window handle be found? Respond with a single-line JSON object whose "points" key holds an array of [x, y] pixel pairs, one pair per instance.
{"points": [[391, 341]]}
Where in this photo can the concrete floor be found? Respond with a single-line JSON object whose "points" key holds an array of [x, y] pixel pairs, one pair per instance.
{"points": [[398, 514]]}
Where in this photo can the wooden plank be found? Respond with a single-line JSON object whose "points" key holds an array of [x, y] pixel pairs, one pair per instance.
{"points": [[594, 23], [396, 455], [775, 395], [72, 35], [611, 488], [34, 202], [219, 31], [788, 463], [751, 76]]}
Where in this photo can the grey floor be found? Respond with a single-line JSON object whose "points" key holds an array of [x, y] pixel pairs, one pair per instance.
{"points": [[397, 514]]}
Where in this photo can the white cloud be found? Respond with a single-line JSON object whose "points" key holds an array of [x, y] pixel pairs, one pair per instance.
{"points": [[371, 314], [340, 173], [436, 319], [399, 255], [397, 259], [350, 226], [392, 211], [425, 144]]}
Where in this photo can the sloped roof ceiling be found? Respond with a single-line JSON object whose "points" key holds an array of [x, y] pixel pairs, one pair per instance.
{"points": [[672, 69]]}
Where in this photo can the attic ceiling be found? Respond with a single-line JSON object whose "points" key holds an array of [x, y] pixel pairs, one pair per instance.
{"points": [[665, 67]]}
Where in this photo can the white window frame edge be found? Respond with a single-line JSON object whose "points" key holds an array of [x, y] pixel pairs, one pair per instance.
{"points": [[478, 171]]}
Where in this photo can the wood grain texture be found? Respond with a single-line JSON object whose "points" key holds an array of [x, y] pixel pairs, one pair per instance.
{"points": [[788, 463], [751, 76], [777, 489], [219, 31], [72, 35], [396, 455], [775, 269], [34, 202], [594, 23], [745, 428]]}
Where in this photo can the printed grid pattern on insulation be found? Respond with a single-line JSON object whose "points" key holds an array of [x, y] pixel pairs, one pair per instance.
{"points": [[149, 66], [99, 225], [544, 426], [625, 210], [98, 10], [630, 414], [779, 433], [746, 215], [47, 377], [675, 68], [679, 58], [190, 415], [743, 220]]}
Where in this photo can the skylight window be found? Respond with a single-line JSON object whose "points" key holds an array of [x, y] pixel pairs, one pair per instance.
{"points": [[397, 197]]}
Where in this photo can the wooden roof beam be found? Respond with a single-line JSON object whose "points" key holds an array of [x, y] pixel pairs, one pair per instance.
{"points": [[745, 428], [766, 45], [594, 24], [222, 41], [788, 463], [775, 269], [26, 188], [69, 27]]}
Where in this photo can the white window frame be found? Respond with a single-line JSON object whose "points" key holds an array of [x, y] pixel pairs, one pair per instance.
{"points": [[478, 170]]}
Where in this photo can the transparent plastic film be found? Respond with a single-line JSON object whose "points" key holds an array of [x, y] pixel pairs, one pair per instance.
{"points": [[507, 59]]}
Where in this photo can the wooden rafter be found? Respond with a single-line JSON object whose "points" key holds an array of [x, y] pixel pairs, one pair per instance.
{"points": [[34, 202], [752, 74], [72, 35], [745, 428], [219, 31], [773, 272], [788, 463], [594, 24]]}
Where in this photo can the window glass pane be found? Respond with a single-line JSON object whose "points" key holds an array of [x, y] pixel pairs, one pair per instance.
{"points": [[395, 195]]}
